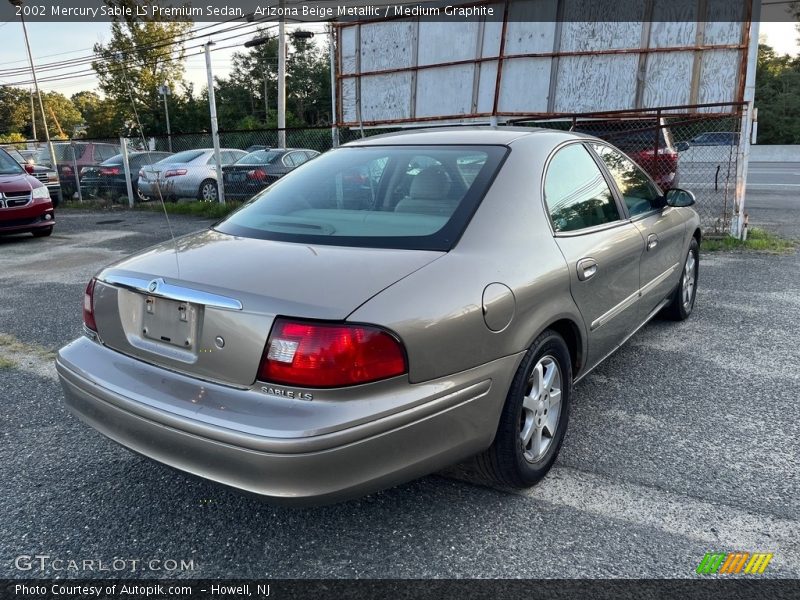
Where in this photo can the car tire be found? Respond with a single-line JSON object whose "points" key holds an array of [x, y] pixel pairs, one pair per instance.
{"points": [[682, 302], [208, 191], [42, 232], [528, 417]]}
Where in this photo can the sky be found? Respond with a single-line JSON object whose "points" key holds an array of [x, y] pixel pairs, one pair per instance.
{"points": [[61, 41]]}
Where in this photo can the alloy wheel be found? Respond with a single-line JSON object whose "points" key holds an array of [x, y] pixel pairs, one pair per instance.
{"points": [[541, 409]]}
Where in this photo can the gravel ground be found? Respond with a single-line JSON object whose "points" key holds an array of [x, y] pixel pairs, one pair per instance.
{"points": [[683, 442]]}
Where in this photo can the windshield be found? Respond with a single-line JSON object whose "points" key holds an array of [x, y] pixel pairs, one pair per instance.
{"points": [[63, 153], [416, 197], [8, 166]]}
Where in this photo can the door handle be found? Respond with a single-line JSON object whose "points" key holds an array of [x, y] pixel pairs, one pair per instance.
{"points": [[587, 267], [652, 241]]}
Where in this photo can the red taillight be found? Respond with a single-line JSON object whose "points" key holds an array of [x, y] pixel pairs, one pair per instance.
{"points": [[312, 354], [109, 170], [175, 172], [88, 306], [257, 174]]}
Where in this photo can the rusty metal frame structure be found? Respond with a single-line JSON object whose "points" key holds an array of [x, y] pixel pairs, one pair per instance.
{"points": [[698, 48]]}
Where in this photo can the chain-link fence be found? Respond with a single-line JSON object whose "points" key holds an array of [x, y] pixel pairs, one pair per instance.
{"points": [[687, 147]]}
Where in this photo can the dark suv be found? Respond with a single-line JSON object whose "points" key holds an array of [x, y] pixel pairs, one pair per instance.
{"points": [[76, 155], [647, 141]]}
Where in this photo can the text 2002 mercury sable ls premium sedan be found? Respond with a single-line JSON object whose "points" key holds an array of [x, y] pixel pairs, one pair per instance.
{"points": [[392, 307]]}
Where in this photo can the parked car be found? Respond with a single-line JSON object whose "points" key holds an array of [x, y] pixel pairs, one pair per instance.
{"points": [[25, 205], [312, 346], [255, 171], [72, 155], [637, 138], [711, 138], [29, 155], [187, 174], [108, 178], [47, 175]]}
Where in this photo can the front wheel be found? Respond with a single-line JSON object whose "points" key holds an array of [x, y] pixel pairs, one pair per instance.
{"points": [[208, 191], [534, 417], [682, 302]]}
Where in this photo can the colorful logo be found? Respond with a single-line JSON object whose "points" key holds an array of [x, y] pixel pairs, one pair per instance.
{"points": [[733, 563]]}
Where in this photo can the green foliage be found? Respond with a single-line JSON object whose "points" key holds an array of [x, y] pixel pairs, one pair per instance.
{"points": [[777, 97], [138, 59], [759, 240], [15, 113]]}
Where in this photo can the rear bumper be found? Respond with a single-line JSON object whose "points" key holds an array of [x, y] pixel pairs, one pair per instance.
{"points": [[301, 470]]}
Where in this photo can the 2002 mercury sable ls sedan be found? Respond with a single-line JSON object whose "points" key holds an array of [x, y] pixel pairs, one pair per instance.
{"points": [[393, 307]]}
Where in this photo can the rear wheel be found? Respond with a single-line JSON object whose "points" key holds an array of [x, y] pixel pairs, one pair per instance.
{"points": [[534, 417], [682, 303], [43, 232], [208, 191]]}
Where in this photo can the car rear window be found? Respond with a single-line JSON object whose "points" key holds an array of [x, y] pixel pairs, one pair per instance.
{"points": [[415, 197], [63, 153], [183, 157]]}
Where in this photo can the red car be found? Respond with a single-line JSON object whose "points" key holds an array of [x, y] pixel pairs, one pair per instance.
{"points": [[646, 141], [25, 205]]}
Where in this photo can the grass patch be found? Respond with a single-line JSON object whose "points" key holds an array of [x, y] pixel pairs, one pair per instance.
{"points": [[759, 240], [208, 210], [11, 345], [7, 363]]}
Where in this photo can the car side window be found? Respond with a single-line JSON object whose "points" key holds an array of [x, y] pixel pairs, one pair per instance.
{"points": [[576, 193], [288, 160], [639, 193]]}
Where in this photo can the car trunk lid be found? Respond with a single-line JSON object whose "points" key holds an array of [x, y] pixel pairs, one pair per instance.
{"points": [[205, 305]]}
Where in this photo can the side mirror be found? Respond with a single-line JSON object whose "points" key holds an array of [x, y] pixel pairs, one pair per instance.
{"points": [[677, 198], [681, 146]]}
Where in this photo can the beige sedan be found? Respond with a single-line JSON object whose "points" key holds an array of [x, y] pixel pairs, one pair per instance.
{"points": [[393, 307]]}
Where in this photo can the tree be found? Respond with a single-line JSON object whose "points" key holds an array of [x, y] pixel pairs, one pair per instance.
{"points": [[100, 116], [777, 97], [141, 55], [308, 87], [15, 113]]}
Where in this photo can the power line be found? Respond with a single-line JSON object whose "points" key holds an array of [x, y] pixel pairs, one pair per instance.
{"points": [[114, 66]]}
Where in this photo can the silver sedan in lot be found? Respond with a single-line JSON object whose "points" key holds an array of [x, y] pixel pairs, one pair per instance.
{"points": [[187, 174], [393, 307]]}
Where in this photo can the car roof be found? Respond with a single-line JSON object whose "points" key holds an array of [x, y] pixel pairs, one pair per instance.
{"points": [[473, 134]]}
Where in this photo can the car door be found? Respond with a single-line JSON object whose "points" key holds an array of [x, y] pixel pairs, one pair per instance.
{"points": [[662, 227], [601, 247]]}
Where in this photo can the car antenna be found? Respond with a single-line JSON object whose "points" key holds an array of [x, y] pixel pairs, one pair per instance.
{"points": [[120, 57]]}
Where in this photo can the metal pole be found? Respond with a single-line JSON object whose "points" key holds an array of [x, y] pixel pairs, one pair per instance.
{"points": [[334, 115], [123, 144], [166, 111], [281, 81], [743, 158], [212, 105], [33, 117], [266, 94], [75, 168], [38, 93]]}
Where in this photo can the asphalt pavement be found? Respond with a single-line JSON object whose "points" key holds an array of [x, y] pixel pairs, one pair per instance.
{"points": [[684, 442], [773, 197]]}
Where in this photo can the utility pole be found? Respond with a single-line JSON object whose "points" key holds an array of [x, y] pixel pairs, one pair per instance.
{"points": [[36, 84], [33, 117], [334, 115], [281, 80], [165, 91], [212, 105]]}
